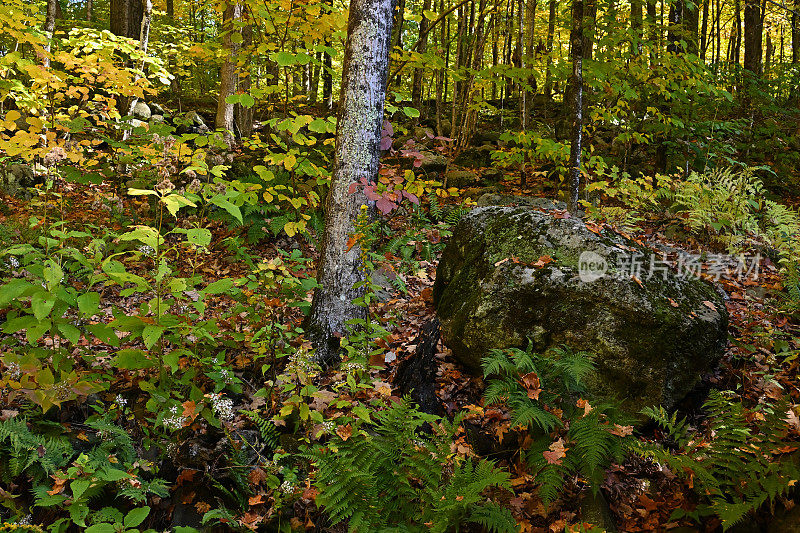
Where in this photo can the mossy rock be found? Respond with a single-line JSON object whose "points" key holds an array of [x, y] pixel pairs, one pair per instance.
{"points": [[653, 336]]}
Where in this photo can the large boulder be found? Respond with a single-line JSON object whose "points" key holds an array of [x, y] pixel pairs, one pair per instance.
{"points": [[141, 111], [511, 276]]}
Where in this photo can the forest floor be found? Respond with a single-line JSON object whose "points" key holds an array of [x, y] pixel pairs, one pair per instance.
{"points": [[761, 362]]}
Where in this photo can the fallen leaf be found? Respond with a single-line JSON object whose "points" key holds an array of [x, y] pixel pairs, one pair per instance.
{"points": [[345, 432], [556, 452], [583, 404]]}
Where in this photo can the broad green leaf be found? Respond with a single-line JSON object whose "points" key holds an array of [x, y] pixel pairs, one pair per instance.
{"points": [[78, 487], [13, 290], [131, 360], [410, 112], [42, 303], [224, 203], [70, 332], [136, 516], [89, 303], [151, 334], [221, 285]]}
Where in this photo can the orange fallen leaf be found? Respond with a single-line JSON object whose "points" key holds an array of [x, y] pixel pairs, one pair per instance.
{"points": [[345, 432]]}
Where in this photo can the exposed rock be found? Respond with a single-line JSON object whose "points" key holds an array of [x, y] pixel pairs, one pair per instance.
{"points": [[512, 200], [653, 336], [157, 109], [486, 137], [432, 162], [142, 111], [195, 118], [158, 119], [475, 157], [461, 178], [16, 177], [492, 174]]}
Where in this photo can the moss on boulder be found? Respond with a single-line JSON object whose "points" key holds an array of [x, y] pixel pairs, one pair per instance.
{"points": [[653, 337]]}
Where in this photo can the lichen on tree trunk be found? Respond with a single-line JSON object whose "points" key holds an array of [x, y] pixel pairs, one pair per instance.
{"points": [[363, 92]]}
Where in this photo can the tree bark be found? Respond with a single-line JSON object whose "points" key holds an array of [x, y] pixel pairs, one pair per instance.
{"points": [[551, 27], [144, 39], [416, 88], [227, 72], [576, 91], [126, 17], [244, 116], [752, 37], [691, 26], [704, 31], [89, 10], [796, 32], [49, 28], [365, 70]]}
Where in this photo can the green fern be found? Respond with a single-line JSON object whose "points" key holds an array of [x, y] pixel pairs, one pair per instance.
{"points": [[269, 433], [534, 387], [739, 468], [392, 478]]}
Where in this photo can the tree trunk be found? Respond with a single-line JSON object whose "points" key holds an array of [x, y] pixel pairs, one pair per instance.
{"points": [[144, 39], [422, 47], [752, 37], [126, 17], [89, 10], [691, 26], [576, 91], [796, 32], [365, 69], [227, 72], [704, 31], [636, 26], [551, 27], [49, 28], [244, 116]]}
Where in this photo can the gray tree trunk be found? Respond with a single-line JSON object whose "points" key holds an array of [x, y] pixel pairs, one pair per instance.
{"points": [[144, 39], [364, 73], [576, 92], [227, 72], [49, 28]]}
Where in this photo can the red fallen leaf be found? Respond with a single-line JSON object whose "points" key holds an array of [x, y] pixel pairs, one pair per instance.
{"points": [[532, 385], [710, 305], [792, 419], [310, 493], [647, 502], [256, 500], [345, 432], [256, 476], [672, 302], [186, 475], [501, 262], [427, 295], [556, 452], [459, 498], [561, 214], [543, 261], [352, 242], [58, 486], [637, 280]]}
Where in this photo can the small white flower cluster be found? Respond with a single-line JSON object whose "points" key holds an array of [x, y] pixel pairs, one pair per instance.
{"points": [[329, 426], [175, 420], [120, 401], [13, 371], [222, 407], [225, 375], [146, 250], [300, 362], [25, 520], [287, 487], [13, 262], [352, 367]]}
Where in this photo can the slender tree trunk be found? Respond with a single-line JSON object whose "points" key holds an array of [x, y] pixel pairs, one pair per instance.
{"points": [[691, 26], [654, 32], [576, 91], [365, 69], [636, 26], [416, 89], [551, 28], [589, 28], [315, 78], [327, 72], [227, 72], [49, 28], [796, 33], [89, 10], [144, 39], [244, 116], [704, 31]]}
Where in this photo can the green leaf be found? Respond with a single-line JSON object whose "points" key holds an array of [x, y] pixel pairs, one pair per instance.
{"points": [[141, 192], [89, 303], [283, 59], [247, 100], [174, 202], [78, 487], [144, 234], [13, 290], [224, 203], [129, 359], [42, 303], [151, 334], [101, 528], [221, 285], [113, 474], [197, 236], [136, 516], [53, 274], [70, 332], [410, 112], [35, 332]]}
